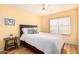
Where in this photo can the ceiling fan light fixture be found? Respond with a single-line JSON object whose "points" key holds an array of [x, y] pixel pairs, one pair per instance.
{"points": [[43, 7]]}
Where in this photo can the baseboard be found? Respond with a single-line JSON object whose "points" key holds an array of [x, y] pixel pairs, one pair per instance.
{"points": [[1, 49]]}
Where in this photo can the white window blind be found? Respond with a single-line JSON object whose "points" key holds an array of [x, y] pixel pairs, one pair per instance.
{"points": [[60, 25], [54, 26]]}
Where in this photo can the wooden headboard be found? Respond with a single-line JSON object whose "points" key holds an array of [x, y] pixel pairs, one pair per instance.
{"points": [[25, 26]]}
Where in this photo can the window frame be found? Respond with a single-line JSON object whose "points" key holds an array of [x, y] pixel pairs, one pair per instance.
{"points": [[58, 19]]}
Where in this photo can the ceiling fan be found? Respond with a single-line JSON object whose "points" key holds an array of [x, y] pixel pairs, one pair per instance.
{"points": [[43, 7], [46, 7]]}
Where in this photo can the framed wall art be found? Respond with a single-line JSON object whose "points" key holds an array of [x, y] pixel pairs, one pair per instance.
{"points": [[9, 21]]}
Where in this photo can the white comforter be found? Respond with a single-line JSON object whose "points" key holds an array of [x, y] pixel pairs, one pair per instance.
{"points": [[48, 43]]}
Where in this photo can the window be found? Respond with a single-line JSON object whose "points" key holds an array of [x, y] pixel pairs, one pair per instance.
{"points": [[60, 25], [54, 26]]}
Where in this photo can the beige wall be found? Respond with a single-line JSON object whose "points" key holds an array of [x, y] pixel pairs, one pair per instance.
{"points": [[72, 13], [21, 16], [78, 26]]}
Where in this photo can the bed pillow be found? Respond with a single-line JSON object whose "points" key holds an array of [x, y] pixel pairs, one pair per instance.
{"points": [[35, 30], [29, 30], [25, 30]]}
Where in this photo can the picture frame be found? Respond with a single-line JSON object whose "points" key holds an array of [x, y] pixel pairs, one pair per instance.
{"points": [[9, 21]]}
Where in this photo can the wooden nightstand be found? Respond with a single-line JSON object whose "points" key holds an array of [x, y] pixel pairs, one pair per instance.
{"points": [[10, 43]]}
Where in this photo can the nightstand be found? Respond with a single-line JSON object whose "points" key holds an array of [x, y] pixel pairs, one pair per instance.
{"points": [[10, 43]]}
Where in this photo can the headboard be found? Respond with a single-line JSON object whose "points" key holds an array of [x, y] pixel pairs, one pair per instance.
{"points": [[25, 26]]}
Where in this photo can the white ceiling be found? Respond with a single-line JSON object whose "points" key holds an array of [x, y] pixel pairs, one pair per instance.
{"points": [[50, 8]]}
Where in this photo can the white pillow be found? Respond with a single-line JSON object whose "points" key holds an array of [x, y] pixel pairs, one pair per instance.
{"points": [[25, 30]]}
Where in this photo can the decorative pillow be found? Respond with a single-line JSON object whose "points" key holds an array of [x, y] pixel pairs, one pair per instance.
{"points": [[35, 30]]}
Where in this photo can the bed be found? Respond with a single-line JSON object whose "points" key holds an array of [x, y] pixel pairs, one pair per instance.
{"points": [[42, 43]]}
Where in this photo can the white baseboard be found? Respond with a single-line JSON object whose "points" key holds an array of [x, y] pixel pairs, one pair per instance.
{"points": [[1, 49]]}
